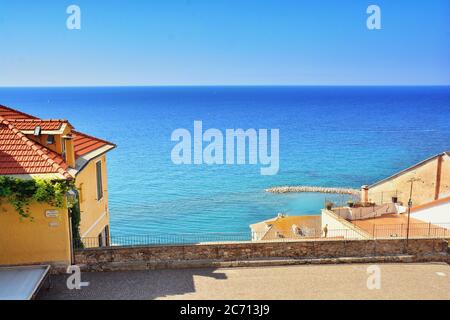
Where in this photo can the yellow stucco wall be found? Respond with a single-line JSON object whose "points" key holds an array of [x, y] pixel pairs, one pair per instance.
{"points": [[41, 240], [423, 191], [47, 240], [445, 180], [94, 213]]}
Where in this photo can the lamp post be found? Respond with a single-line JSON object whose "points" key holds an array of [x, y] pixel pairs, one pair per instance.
{"points": [[72, 198], [412, 180]]}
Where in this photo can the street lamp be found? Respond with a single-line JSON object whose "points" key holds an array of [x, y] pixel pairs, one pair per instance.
{"points": [[410, 203], [72, 197]]}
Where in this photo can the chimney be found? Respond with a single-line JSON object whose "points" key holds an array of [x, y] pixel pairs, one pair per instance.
{"points": [[69, 150], [365, 194]]}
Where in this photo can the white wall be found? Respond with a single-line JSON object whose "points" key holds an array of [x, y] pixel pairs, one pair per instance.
{"points": [[368, 212], [339, 227], [439, 214]]}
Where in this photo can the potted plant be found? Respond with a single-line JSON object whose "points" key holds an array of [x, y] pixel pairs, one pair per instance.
{"points": [[329, 205], [358, 204]]}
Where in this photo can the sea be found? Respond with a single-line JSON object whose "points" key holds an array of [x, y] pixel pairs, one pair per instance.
{"points": [[328, 136]]}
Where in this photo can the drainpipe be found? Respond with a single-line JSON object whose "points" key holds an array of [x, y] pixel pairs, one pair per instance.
{"points": [[72, 253], [438, 177], [71, 196]]}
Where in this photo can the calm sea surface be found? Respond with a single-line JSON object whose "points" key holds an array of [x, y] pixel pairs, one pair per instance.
{"points": [[329, 136]]}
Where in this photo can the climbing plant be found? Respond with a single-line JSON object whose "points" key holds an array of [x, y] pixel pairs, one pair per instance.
{"points": [[76, 218], [21, 193]]}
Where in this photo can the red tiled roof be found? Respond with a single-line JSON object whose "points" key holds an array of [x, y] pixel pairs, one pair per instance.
{"points": [[31, 124], [20, 155], [83, 143], [11, 114]]}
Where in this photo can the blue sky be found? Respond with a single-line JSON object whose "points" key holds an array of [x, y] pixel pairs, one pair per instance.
{"points": [[224, 42]]}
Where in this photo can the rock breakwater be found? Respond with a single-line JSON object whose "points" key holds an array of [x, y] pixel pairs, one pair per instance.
{"points": [[292, 189]]}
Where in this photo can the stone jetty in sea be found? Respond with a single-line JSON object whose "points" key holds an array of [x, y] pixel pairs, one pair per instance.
{"points": [[288, 189]]}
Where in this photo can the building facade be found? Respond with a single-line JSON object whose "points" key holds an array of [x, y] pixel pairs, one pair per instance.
{"points": [[431, 182], [52, 150]]}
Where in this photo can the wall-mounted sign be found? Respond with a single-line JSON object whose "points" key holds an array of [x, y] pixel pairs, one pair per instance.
{"points": [[51, 213]]}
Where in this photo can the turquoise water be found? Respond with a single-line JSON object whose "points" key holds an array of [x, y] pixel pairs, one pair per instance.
{"points": [[329, 136]]}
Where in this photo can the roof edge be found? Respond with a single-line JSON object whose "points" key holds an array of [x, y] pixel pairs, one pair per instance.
{"points": [[431, 204], [92, 137], [29, 116], [84, 160], [408, 169]]}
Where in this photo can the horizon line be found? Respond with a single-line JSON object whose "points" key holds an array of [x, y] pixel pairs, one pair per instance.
{"points": [[224, 85]]}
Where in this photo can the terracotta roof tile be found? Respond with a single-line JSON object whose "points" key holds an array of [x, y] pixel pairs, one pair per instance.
{"points": [[83, 143], [11, 114], [20, 155], [31, 124]]}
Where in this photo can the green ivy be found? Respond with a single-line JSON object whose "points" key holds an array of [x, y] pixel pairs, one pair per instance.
{"points": [[76, 219], [21, 193]]}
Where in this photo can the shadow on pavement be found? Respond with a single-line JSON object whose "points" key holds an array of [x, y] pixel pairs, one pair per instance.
{"points": [[128, 285]]}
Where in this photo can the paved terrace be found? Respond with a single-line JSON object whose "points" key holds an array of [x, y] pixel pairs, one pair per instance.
{"points": [[398, 281], [395, 225]]}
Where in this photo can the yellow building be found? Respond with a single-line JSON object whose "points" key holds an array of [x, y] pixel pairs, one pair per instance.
{"points": [[51, 150], [431, 182]]}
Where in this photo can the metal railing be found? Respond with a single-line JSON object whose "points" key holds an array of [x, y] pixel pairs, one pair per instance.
{"points": [[392, 231], [384, 197], [166, 239], [367, 212], [416, 230], [375, 198], [341, 200]]}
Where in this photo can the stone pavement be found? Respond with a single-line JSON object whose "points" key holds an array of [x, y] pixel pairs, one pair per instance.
{"points": [[343, 281]]}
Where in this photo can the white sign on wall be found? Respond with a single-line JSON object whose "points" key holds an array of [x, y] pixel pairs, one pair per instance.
{"points": [[51, 213]]}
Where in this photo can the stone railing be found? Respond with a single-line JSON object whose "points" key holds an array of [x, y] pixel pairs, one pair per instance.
{"points": [[212, 255]]}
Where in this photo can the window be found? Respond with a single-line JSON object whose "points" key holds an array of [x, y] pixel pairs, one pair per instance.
{"points": [[63, 148], [37, 131], [106, 231], [98, 167], [103, 237], [50, 139], [100, 240]]}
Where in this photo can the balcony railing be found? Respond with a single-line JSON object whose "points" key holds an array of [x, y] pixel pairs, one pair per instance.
{"points": [[392, 231]]}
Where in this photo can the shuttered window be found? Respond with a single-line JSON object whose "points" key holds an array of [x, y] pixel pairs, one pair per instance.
{"points": [[99, 180]]}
